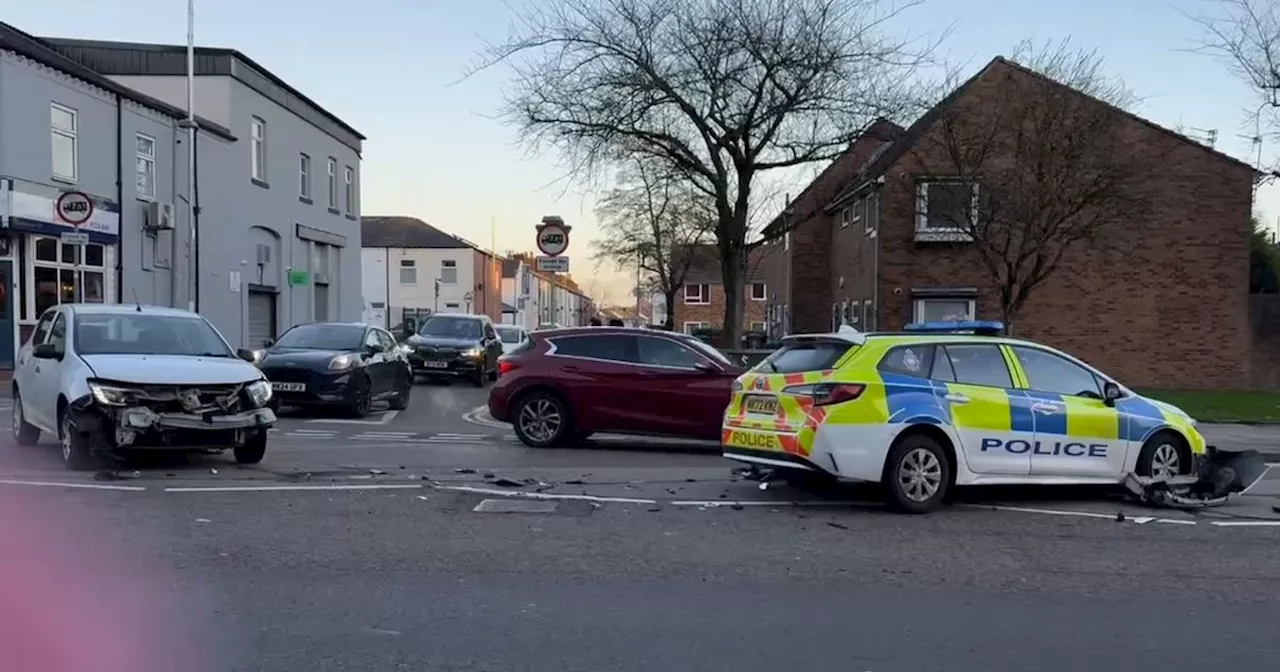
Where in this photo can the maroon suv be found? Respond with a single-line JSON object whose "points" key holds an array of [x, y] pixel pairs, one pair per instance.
{"points": [[565, 384]]}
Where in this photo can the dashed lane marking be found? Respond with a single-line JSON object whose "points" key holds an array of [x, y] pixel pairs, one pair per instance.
{"points": [[1245, 523], [387, 417], [287, 488], [81, 486]]}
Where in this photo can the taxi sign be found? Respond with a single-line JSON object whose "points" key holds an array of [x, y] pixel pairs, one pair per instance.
{"points": [[979, 327]]}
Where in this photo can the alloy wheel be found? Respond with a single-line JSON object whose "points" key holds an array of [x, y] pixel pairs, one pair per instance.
{"points": [[17, 415], [64, 435], [1165, 461], [920, 475], [540, 420]]}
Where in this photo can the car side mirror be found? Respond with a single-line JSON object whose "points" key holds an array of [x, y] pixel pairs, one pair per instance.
{"points": [[1110, 393], [46, 351], [706, 367], [268, 343], [247, 355]]}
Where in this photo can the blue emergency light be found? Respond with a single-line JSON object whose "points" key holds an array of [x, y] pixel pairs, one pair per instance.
{"points": [[979, 327]]}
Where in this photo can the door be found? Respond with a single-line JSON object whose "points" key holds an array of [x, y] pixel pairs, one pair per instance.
{"points": [[41, 402], [675, 397], [6, 316], [991, 418], [25, 372], [599, 375], [262, 317], [1077, 434], [393, 363], [492, 345]]}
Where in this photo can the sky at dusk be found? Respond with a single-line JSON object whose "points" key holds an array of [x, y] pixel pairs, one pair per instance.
{"points": [[436, 150]]}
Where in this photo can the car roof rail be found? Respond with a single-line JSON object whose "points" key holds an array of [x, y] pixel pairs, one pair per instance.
{"points": [[976, 327]]}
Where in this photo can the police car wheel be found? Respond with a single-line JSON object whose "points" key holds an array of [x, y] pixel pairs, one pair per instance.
{"points": [[1163, 456], [917, 475]]}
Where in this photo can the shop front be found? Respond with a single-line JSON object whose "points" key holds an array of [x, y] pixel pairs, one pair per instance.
{"points": [[57, 246]]}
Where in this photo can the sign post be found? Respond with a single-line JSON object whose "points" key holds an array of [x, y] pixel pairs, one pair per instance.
{"points": [[553, 241], [75, 208]]}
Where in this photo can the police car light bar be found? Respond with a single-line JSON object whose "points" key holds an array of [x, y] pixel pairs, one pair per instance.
{"points": [[979, 327]]}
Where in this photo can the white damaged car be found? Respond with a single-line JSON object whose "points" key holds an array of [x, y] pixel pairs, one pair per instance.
{"points": [[107, 378]]}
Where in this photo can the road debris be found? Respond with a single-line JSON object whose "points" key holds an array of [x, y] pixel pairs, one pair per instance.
{"points": [[1218, 475], [838, 526], [376, 472], [508, 483], [464, 471]]}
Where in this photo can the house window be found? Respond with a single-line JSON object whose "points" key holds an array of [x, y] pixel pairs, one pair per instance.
{"points": [[758, 326], [942, 309], [408, 272], [349, 186], [64, 124], [304, 176], [690, 327], [758, 291], [62, 273], [844, 218], [449, 272], [946, 206], [258, 148], [146, 166], [835, 317], [872, 219], [697, 294], [868, 315], [333, 183]]}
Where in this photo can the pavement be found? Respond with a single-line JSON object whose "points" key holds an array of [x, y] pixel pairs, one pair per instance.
{"points": [[430, 539]]}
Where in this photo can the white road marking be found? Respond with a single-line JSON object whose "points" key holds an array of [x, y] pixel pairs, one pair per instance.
{"points": [[480, 416], [283, 488], [326, 432], [1050, 512], [387, 417], [1175, 521], [542, 495], [83, 486], [712, 503], [388, 434], [1246, 523], [462, 436], [1142, 520]]}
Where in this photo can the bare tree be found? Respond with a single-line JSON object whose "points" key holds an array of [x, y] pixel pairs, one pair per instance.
{"points": [[1032, 168], [1246, 34], [651, 222], [718, 91]]}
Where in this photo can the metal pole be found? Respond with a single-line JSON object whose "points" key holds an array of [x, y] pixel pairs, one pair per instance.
{"points": [[637, 291], [191, 155]]}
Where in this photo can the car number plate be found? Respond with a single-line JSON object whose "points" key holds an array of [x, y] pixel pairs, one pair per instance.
{"points": [[428, 364], [763, 405], [289, 387], [754, 440]]}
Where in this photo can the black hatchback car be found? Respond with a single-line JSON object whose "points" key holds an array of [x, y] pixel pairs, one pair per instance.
{"points": [[456, 345], [344, 365]]}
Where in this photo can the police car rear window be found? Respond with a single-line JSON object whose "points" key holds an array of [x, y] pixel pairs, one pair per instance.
{"points": [[800, 357]]}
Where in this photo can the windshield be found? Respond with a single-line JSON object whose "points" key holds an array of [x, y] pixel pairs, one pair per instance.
{"points": [[143, 334], [509, 334], [322, 337], [804, 356], [704, 348], [451, 327]]}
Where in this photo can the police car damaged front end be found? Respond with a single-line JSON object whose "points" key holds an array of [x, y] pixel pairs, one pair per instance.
{"points": [[1216, 477]]}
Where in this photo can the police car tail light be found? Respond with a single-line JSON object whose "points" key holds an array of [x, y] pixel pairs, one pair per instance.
{"points": [[824, 394]]}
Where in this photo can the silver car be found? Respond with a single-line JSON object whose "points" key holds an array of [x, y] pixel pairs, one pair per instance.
{"points": [[512, 336], [103, 378]]}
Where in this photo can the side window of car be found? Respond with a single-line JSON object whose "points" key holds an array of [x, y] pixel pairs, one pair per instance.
{"points": [[1047, 372], [385, 340], [612, 347], [976, 364], [42, 328], [371, 339], [909, 360], [58, 333], [657, 351]]}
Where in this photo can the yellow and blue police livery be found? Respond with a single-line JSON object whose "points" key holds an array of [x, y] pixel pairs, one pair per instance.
{"points": [[945, 404]]}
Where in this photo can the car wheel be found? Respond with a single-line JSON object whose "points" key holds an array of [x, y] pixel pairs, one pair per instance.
{"points": [[77, 447], [362, 398], [24, 433], [542, 420], [917, 475], [400, 402], [1163, 456], [252, 450]]}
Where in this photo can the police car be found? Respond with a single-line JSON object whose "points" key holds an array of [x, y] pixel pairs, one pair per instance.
{"points": [[946, 404]]}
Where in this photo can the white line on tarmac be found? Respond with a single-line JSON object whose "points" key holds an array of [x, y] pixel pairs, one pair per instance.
{"points": [[1246, 523], [283, 488], [542, 495], [1175, 521], [388, 434], [83, 486], [712, 503], [387, 417], [1051, 512]]}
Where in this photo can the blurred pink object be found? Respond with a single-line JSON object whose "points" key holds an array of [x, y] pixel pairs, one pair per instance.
{"points": [[74, 597]]}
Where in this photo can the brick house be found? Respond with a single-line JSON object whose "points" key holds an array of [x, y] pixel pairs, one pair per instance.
{"points": [[1169, 311], [700, 302]]}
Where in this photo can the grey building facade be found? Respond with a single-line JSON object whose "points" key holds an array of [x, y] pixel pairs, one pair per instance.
{"points": [[279, 215], [90, 172]]}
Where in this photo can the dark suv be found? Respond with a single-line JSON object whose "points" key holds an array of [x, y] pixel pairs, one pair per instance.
{"points": [[454, 345], [565, 384]]}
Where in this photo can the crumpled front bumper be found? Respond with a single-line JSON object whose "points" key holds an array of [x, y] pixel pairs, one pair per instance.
{"points": [[142, 418], [1216, 477]]}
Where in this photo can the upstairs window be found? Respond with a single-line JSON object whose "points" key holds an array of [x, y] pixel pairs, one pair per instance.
{"points": [[697, 294]]}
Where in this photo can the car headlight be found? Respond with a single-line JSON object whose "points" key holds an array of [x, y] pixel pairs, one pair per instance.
{"points": [[259, 392], [342, 362], [257, 356], [111, 395], [473, 353]]}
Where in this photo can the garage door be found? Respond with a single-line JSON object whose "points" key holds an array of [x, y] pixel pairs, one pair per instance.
{"points": [[262, 318]]}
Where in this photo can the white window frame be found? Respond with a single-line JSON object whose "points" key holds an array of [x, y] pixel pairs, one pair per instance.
{"points": [[72, 134], [690, 327], [304, 175], [349, 189], [29, 273], [844, 218], [872, 220], [758, 326], [333, 183], [449, 264], [917, 305], [764, 291], [408, 265], [146, 167], [704, 294], [948, 233], [258, 149]]}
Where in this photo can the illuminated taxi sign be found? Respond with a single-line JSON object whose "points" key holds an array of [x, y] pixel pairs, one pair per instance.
{"points": [[979, 327]]}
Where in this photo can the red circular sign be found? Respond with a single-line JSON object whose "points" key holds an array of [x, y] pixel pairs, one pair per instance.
{"points": [[553, 239], [74, 207]]}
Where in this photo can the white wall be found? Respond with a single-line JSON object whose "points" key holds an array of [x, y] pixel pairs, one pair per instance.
{"points": [[429, 263], [373, 283]]}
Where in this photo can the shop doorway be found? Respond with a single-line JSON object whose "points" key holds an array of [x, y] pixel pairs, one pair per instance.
{"points": [[6, 314]]}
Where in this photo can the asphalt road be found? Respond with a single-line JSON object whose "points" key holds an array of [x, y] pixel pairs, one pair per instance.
{"points": [[368, 554]]}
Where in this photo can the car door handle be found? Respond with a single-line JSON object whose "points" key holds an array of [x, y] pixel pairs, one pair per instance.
{"points": [[571, 369], [957, 399], [1045, 408]]}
